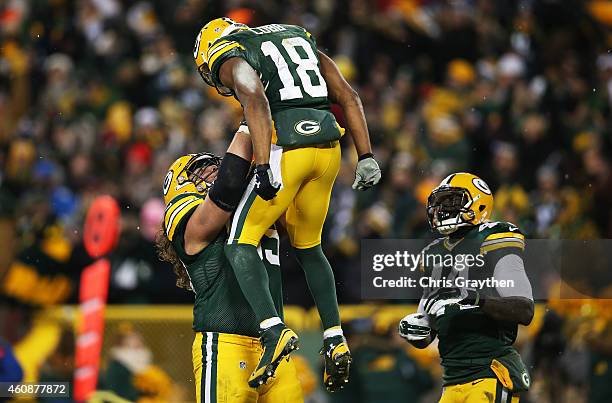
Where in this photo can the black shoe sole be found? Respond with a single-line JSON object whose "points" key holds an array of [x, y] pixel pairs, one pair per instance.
{"points": [[291, 346], [338, 377]]}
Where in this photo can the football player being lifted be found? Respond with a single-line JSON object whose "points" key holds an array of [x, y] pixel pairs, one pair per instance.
{"points": [[476, 327], [226, 348], [285, 86]]}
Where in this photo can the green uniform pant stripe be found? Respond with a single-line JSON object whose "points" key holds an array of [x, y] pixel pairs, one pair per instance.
{"points": [[208, 382], [502, 394], [242, 217], [498, 392]]}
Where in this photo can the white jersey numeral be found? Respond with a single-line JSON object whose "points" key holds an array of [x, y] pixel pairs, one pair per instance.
{"points": [[304, 66]]}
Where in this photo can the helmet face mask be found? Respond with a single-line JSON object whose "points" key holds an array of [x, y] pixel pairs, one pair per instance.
{"points": [[448, 209], [201, 169], [461, 200], [191, 173], [206, 74], [207, 77]]}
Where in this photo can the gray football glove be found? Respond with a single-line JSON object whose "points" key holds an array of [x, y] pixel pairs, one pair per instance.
{"points": [[367, 173]]}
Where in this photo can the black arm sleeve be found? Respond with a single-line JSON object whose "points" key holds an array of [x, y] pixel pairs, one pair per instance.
{"points": [[231, 182]]}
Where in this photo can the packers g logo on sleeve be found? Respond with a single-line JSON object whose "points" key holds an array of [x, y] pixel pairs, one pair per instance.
{"points": [[307, 127], [525, 378]]}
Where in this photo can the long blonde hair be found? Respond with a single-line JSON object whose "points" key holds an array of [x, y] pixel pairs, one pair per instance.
{"points": [[167, 253]]}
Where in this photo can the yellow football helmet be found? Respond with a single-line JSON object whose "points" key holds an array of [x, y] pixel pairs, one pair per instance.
{"points": [[188, 174], [212, 31], [461, 200]]}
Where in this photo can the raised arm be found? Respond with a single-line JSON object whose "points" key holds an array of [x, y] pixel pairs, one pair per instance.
{"points": [[339, 91], [232, 179], [237, 74]]}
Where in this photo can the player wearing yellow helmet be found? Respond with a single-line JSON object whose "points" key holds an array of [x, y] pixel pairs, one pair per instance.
{"points": [[285, 86], [226, 347], [475, 327]]}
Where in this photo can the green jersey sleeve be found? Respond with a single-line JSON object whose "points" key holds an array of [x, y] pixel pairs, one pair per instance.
{"points": [[503, 248], [501, 236]]}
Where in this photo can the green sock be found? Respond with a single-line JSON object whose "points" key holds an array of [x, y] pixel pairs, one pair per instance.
{"points": [[276, 288], [253, 279], [321, 282]]}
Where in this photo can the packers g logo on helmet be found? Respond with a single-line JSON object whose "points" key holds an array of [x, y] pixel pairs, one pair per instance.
{"points": [[461, 199], [481, 185], [167, 181], [188, 174], [210, 33]]}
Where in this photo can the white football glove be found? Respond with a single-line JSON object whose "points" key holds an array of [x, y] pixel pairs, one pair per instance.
{"points": [[414, 327], [367, 174], [436, 302]]}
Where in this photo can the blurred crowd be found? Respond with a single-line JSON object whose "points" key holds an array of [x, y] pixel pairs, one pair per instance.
{"points": [[100, 96]]}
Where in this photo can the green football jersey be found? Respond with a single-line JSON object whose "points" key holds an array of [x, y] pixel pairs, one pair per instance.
{"points": [[286, 58], [219, 304], [468, 339]]}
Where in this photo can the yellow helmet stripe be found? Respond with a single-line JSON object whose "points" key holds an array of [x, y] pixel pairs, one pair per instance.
{"points": [[179, 216], [170, 212], [213, 58]]}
